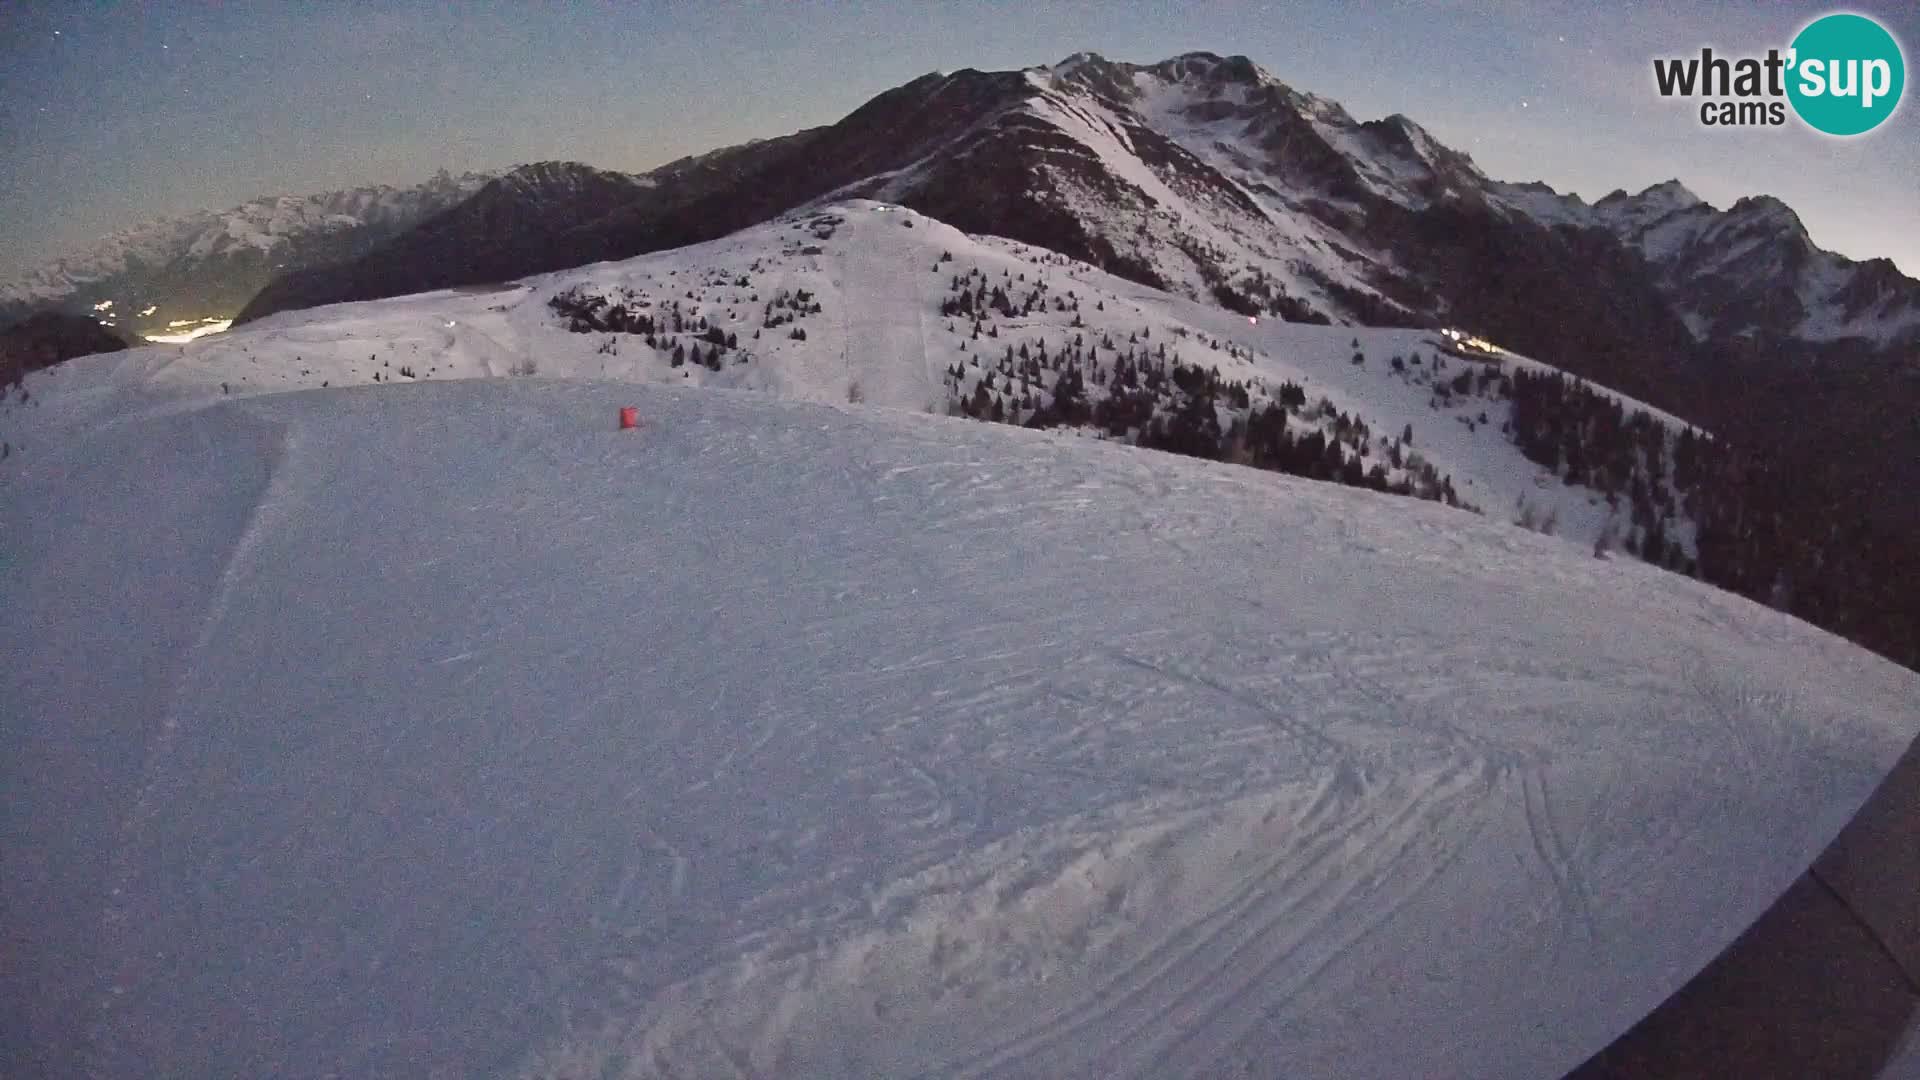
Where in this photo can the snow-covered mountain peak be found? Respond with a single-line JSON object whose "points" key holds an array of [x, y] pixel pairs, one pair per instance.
{"points": [[1077, 62], [1195, 82], [1630, 212], [557, 179], [1398, 136], [1207, 77], [1765, 211], [1198, 169], [1213, 71], [1672, 192], [1753, 270], [1092, 73]]}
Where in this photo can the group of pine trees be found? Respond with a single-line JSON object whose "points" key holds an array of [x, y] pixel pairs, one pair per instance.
{"points": [[1588, 438], [972, 297], [1770, 529], [684, 335], [590, 313], [786, 307], [1137, 390], [1259, 296], [1768, 523]]}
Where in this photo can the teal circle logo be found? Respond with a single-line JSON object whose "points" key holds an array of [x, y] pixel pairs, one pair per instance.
{"points": [[1847, 74]]}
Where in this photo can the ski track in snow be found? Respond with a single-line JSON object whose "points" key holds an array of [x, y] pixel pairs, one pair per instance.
{"points": [[1210, 963], [117, 923]]}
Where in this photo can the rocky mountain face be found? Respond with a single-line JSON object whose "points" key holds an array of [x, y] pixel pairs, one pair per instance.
{"points": [[1216, 178], [1749, 272], [208, 265]]}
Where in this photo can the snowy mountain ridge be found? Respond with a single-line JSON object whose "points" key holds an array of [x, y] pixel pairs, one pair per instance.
{"points": [[1748, 269], [1308, 166], [558, 179]]}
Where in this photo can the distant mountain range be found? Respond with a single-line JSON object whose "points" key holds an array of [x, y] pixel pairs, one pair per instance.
{"points": [[1208, 176], [180, 270]]}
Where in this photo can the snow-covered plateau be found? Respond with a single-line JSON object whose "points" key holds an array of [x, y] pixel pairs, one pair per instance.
{"points": [[442, 728]]}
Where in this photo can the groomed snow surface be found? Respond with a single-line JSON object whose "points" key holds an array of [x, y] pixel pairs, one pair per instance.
{"points": [[441, 729]]}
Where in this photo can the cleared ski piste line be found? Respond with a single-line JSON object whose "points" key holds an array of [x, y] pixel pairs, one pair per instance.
{"points": [[444, 727]]}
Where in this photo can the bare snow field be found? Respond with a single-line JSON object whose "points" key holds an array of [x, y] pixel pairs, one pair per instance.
{"points": [[442, 729]]}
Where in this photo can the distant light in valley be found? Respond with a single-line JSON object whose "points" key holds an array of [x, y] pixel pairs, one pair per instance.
{"points": [[210, 326], [1469, 341]]}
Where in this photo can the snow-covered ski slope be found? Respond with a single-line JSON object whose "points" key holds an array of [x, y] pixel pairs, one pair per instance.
{"points": [[879, 274], [443, 729]]}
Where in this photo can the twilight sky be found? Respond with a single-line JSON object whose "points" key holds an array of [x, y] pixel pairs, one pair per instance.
{"points": [[111, 114]]}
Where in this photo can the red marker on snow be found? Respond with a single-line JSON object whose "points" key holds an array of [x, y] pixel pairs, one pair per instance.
{"points": [[629, 417]]}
